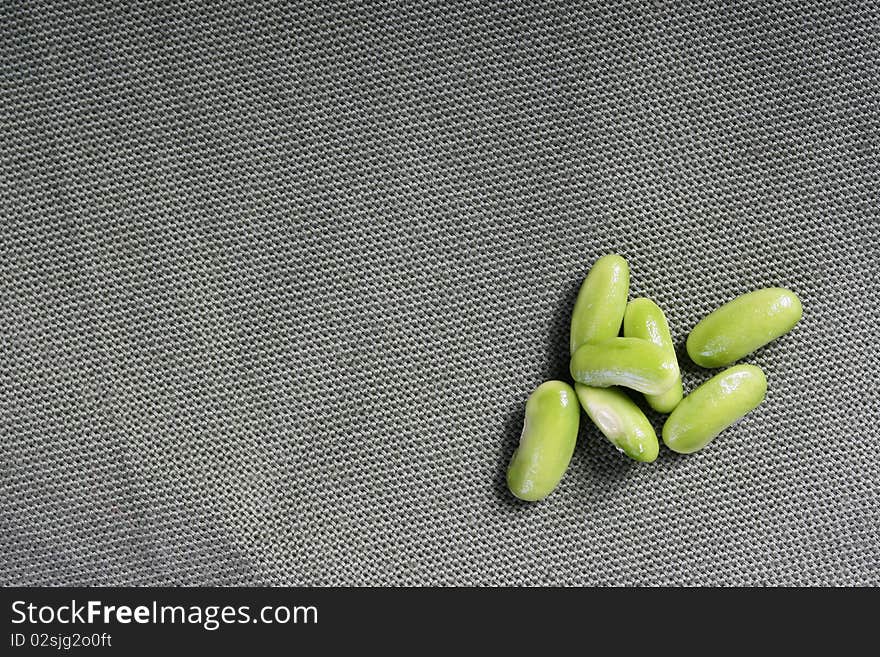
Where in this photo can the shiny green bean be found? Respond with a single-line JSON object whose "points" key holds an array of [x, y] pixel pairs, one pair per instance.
{"points": [[547, 441], [713, 407], [628, 362], [645, 320], [620, 420], [601, 302], [740, 326]]}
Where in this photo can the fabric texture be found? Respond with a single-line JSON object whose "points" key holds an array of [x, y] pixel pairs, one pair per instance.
{"points": [[276, 282]]}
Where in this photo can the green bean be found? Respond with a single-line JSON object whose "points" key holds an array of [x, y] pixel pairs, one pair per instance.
{"points": [[713, 407], [601, 302], [620, 420], [547, 441], [645, 320], [628, 362], [740, 326]]}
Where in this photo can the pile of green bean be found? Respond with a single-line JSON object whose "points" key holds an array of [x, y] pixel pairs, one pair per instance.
{"points": [[644, 359]]}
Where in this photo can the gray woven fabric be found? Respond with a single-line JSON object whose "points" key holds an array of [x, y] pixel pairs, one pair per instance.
{"points": [[276, 282]]}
